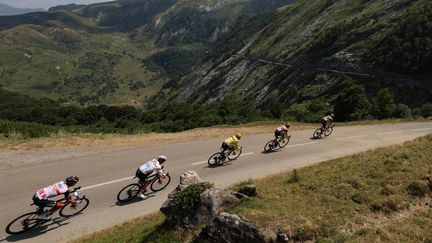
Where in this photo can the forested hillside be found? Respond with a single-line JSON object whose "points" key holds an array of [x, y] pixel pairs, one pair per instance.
{"points": [[218, 62]]}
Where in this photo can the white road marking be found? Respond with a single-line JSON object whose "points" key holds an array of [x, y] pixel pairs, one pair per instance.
{"points": [[360, 136], [202, 162], [300, 144], [106, 183], [388, 133], [422, 129]]}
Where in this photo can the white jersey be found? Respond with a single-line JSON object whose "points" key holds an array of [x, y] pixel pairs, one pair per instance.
{"points": [[150, 166], [327, 118], [282, 128], [52, 190]]}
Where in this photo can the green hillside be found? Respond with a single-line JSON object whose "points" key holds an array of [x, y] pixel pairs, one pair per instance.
{"points": [[119, 52], [319, 49]]}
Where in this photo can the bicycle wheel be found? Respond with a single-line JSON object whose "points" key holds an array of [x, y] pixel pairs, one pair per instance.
{"points": [[269, 146], [158, 185], [215, 159], [128, 192], [235, 154], [328, 131], [284, 142], [69, 210], [317, 133], [23, 223]]}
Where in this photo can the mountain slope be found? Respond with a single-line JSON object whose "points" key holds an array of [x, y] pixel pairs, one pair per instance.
{"points": [[114, 52], [289, 57]]}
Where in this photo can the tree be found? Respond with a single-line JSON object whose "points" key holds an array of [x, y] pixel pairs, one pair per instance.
{"points": [[352, 104]]}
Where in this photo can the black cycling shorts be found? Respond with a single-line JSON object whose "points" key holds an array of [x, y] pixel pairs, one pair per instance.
{"points": [[43, 202], [225, 146], [278, 133], [141, 176]]}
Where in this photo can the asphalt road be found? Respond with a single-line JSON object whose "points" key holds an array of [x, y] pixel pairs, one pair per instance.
{"points": [[103, 175]]}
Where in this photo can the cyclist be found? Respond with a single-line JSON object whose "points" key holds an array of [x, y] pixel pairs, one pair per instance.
{"points": [[326, 121], [41, 197], [148, 168], [279, 132], [231, 143]]}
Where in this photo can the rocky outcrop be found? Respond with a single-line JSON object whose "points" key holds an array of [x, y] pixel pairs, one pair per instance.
{"points": [[186, 179], [211, 203], [230, 228]]}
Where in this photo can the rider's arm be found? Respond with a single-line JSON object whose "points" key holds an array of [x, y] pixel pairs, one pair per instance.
{"points": [[67, 196]]}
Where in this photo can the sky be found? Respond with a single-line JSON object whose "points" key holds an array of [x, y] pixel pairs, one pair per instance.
{"points": [[46, 4]]}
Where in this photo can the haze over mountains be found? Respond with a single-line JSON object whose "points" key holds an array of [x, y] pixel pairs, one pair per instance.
{"points": [[9, 10], [150, 52]]}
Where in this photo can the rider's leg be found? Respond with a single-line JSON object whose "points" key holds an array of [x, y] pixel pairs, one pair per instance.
{"points": [[55, 207]]}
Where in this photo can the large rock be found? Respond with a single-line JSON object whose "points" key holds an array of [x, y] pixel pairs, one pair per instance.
{"points": [[186, 179], [230, 228], [211, 203]]}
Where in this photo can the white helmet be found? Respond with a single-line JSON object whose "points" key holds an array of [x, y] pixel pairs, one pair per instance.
{"points": [[161, 158]]}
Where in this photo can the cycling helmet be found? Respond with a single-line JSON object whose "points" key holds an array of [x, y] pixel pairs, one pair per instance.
{"points": [[332, 115], [287, 125], [72, 180], [161, 158], [238, 136]]}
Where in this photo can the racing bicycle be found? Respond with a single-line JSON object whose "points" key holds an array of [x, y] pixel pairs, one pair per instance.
{"points": [[28, 221], [319, 133], [223, 155], [131, 191], [280, 142]]}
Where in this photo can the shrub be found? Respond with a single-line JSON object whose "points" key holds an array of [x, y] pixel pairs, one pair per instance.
{"points": [[418, 188], [294, 177], [189, 198], [426, 110]]}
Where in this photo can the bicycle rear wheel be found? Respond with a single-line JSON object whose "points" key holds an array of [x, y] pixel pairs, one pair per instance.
{"points": [[70, 210], [269, 146], [235, 154], [317, 133], [23, 223], [158, 185], [284, 142], [215, 159], [328, 131], [128, 192]]}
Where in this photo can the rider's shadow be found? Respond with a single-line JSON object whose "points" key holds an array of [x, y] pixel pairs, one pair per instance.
{"points": [[271, 151], [218, 165], [39, 230], [135, 199]]}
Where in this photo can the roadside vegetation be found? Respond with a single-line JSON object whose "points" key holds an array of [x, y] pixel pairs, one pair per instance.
{"points": [[379, 195], [24, 117]]}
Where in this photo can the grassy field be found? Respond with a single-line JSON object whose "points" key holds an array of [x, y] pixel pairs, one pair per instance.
{"points": [[379, 195]]}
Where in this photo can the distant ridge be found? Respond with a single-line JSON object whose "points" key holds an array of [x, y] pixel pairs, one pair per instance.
{"points": [[71, 6], [9, 10]]}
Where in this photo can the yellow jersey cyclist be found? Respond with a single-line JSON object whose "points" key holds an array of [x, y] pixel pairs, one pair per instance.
{"points": [[231, 143]]}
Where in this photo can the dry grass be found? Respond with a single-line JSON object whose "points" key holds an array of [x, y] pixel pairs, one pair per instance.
{"points": [[355, 198], [103, 141]]}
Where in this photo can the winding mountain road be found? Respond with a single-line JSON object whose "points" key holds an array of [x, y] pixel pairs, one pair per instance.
{"points": [[103, 175]]}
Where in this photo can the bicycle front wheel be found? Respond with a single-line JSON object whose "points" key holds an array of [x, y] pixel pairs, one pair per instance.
{"points": [[284, 142], [269, 146], [23, 223], [159, 184], [70, 210], [215, 159], [317, 133], [128, 192], [235, 154], [328, 131]]}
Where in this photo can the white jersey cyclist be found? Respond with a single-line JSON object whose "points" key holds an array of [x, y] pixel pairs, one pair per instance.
{"points": [[150, 166], [53, 190], [145, 170]]}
